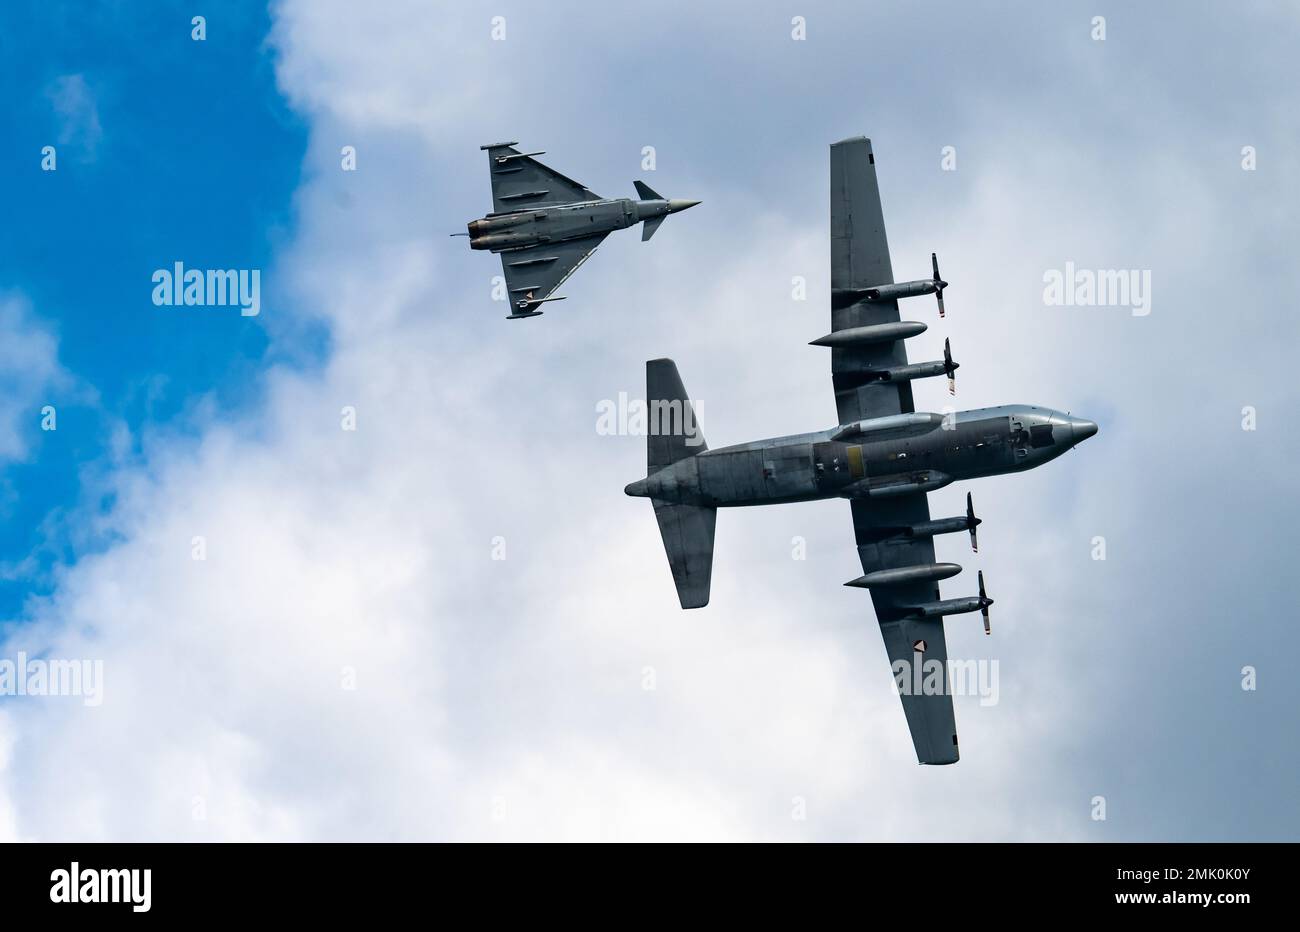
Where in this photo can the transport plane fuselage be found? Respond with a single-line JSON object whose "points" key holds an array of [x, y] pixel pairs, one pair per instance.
{"points": [[881, 458]]}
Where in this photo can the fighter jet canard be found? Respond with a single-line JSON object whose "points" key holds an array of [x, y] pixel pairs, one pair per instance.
{"points": [[545, 225], [883, 456]]}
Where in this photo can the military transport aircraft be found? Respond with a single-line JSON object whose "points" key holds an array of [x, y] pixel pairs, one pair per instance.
{"points": [[883, 456], [546, 225]]}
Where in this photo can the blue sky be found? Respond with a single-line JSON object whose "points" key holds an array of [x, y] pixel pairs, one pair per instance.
{"points": [[156, 168], [350, 661]]}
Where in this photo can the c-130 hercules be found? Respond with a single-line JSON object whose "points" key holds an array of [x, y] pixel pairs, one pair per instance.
{"points": [[546, 225], [883, 456]]}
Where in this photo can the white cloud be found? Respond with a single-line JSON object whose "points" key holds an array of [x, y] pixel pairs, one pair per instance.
{"points": [[30, 376], [78, 112], [479, 684]]}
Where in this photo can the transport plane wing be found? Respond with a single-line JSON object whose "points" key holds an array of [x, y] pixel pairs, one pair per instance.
{"points": [[868, 358], [868, 363], [860, 259], [916, 646]]}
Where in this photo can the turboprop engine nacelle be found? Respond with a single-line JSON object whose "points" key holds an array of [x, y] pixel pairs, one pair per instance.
{"points": [[843, 297], [900, 290], [961, 606], [906, 373]]}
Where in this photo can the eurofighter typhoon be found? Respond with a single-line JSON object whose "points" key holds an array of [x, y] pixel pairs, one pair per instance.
{"points": [[883, 456], [545, 225]]}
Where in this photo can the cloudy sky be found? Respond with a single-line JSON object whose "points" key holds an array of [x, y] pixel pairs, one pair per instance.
{"points": [[349, 661]]}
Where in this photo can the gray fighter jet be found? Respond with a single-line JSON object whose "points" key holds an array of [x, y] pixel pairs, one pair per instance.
{"points": [[883, 456], [546, 225]]}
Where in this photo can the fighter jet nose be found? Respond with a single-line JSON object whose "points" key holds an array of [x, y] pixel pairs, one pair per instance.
{"points": [[1082, 429], [676, 205], [636, 489]]}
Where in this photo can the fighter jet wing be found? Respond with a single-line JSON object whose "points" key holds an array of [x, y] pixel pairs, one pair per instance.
{"points": [[535, 272], [917, 642], [860, 259], [520, 182]]}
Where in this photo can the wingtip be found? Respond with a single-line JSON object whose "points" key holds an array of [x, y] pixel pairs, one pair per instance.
{"points": [[941, 762]]}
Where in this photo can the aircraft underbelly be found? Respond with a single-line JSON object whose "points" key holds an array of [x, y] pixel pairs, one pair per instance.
{"points": [[759, 476], [982, 448]]}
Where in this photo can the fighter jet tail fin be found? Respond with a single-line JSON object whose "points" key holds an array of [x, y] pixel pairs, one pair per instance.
{"points": [[673, 433], [646, 193], [648, 228], [687, 531]]}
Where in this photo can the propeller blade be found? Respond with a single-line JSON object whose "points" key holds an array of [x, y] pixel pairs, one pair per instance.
{"points": [[972, 524], [984, 607], [939, 282]]}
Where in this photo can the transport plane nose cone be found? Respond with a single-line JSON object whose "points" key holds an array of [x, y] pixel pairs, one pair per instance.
{"points": [[637, 489], [675, 205], [1082, 429]]}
